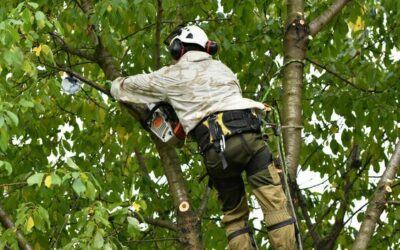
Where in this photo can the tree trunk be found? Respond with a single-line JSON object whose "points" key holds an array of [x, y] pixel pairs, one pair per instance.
{"points": [[295, 45], [378, 202], [188, 224]]}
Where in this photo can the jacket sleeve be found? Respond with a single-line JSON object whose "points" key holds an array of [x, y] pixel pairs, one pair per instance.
{"points": [[141, 88]]}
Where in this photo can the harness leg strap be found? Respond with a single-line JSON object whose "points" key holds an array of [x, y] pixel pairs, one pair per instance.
{"points": [[281, 224], [245, 230]]}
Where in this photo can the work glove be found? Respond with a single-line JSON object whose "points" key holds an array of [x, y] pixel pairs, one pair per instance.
{"points": [[267, 108], [108, 85]]}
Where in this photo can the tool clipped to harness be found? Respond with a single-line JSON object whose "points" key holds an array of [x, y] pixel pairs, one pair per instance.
{"points": [[164, 123], [217, 139]]}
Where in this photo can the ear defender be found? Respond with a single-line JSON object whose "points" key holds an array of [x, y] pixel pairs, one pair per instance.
{"points": [[176, 49], [211, 47]]}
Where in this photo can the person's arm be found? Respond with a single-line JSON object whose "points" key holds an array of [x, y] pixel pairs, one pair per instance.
{"points": [[141, 88]]}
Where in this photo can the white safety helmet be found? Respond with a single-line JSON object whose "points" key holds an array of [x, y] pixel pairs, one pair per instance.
{"points": [[189, 35], [192, 34]]}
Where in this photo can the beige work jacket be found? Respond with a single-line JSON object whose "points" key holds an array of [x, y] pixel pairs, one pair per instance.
{"points": [[196, 86]]}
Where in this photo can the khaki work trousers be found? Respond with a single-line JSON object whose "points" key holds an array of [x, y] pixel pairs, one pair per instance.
{"points": [[249, 153]]}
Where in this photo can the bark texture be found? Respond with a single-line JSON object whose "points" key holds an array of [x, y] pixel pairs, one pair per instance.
{"points": [[188, 224], [296, 37], [378, 202], [295, 45]]}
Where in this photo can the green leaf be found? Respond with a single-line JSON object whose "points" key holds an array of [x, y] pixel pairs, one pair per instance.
{"points": [[33, 5], [29, 68], [13, 58], [75, 174], [48, 53], [35, 179], [25, 103], [133, 226], [7, 166], [78, 186], [98, 240], [90, 190], [40, 19], [55, 179], [13, 117], [27, 20], [72, 164], [43, 213], [108, 246]]}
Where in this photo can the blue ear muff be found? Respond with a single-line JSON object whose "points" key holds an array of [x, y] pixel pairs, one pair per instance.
{"points": [[211, 47], [176, 49]]}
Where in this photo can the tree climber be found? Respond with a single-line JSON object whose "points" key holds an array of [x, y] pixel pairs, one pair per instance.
{"points": [[207, 98]]}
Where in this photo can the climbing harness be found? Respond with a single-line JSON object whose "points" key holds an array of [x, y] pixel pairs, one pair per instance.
{"points": [[217, 127]]}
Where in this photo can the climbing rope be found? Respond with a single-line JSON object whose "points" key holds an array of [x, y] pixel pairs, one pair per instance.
{"points": [[282, 156]]}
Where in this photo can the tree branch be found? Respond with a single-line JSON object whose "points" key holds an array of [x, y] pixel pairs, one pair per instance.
{"points": [[354, 164], [142, 164], [341, 77], [172, 22], [318, 23], [378, 201], [394, 203], [203, 204], [70, 72], [156, 222], [65, 47], [13, 184], [304, 210], [7, 222], [158, 33], [152, 240], [161, 223]]}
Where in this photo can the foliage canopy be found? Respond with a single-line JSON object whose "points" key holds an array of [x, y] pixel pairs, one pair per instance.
{"points": [[70, 168]]}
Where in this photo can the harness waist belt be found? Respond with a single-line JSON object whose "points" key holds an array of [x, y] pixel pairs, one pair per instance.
{"points": [[223, 125]]}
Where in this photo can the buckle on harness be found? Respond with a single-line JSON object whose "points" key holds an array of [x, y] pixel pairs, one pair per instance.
{"points": [[222, 145]]}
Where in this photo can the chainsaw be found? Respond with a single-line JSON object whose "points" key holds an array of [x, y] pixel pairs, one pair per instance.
{"points": [[164, 123]]}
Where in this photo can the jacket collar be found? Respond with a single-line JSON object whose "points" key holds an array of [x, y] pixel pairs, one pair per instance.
{"points": [[195, 56]]}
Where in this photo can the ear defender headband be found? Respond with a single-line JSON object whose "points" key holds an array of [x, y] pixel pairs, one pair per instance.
{"points": [[177, 48]]}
